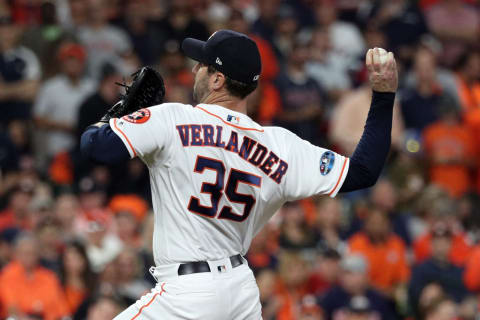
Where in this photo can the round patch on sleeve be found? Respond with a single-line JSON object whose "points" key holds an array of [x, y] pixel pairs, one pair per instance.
{"points": [[326, 162], [139, 116]]}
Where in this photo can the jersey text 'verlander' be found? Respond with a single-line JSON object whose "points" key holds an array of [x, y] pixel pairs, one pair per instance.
{"points": [[205, 135]]}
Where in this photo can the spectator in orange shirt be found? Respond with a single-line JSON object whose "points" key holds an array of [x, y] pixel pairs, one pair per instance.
{"points": [[468, 80], [384, 251], [450, 149], [291, 286], [77, 277], [443, 210], [471, 276], [27, 288]]}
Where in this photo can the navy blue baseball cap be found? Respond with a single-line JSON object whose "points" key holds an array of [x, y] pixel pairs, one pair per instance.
{"points": [[232, 53]]}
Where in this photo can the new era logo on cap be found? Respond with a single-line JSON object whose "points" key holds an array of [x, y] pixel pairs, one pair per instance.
{"points": [[218, 61]]}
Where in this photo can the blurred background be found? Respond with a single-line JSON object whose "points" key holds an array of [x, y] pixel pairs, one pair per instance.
{"points": [[75, 237]]}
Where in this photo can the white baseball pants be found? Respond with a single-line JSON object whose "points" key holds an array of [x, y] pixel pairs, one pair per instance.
{"points": [[225, 293]]}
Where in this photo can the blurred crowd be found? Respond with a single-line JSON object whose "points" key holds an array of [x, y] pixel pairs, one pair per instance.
{"points": [[75, 236]]}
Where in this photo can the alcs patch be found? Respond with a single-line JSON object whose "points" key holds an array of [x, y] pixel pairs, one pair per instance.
{"points": [[326, 162], [139, 116]]}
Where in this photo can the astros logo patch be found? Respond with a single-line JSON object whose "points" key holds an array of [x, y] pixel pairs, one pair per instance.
{"points": [[139, 116], [326, 162]]}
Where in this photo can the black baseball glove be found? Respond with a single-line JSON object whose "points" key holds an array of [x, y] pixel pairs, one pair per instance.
{"points": [[147, 90]]}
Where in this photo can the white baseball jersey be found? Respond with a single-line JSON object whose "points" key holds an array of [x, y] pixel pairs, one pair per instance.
{"points": [[217, 176]]}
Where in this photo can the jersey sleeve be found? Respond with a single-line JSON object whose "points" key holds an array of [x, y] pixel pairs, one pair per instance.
{"points": [[144, 132], [312, 170]]}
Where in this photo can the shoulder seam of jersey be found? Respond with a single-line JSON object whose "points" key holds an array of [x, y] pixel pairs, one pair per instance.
{"points": [[230, 124]]}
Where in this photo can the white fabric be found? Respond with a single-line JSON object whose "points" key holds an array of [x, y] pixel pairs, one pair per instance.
{"points": [[106, 44], [182, 235], [59, 100], [224, 293]]}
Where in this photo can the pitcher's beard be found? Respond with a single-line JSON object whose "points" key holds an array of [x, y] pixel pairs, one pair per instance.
{"points": [[200, 91]]}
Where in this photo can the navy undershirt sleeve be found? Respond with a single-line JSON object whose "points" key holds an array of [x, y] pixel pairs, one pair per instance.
{"points": [[371, 152], [101, 144]]}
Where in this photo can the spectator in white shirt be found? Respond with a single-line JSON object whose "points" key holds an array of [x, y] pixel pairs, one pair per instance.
{"points": [[56, 106]]}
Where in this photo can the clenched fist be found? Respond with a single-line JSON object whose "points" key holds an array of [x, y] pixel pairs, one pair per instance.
{"points": [[382, 73]]}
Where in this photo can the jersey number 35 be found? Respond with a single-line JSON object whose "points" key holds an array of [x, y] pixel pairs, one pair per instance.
{"points": [[216, 191]]}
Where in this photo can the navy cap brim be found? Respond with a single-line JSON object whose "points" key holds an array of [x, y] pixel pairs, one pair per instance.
{"points": [[194, 49]]}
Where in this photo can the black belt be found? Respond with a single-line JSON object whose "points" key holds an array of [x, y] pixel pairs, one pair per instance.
{"points": [[202, 266]]}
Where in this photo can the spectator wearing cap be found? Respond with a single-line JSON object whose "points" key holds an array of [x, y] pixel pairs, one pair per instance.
{"points": [[450, 150], [129, 212], [29, 290], [438, 268], [385, 252], [354, 282], [57, 103], [20, 72]]}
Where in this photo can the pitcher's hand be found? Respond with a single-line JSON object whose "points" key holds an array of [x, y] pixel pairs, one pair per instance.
{"points": [[383, 75]]}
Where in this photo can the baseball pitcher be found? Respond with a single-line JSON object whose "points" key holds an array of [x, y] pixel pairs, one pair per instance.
{"points": [[217, 176]]}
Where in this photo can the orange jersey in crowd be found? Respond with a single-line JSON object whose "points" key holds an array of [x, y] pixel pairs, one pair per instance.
{"points": [[459, 252], [472, 121], [387, 260], [37, 293], [469, 95], [471, 277], [74, 297], [452, 143]]}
